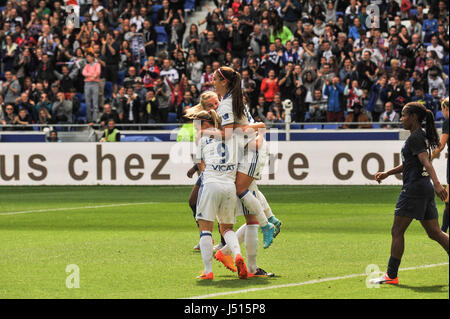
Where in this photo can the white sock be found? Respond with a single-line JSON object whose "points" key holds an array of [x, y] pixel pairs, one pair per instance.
{"points": [[264, 204], [254, 206], [251, 245], [240, 233], [206, 248], [232, 241]]}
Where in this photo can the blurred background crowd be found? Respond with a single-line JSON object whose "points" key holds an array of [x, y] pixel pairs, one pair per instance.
{"points": [[139, 61]]}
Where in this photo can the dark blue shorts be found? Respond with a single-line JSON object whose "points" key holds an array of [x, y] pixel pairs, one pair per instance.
{"points": [[416, 207]]}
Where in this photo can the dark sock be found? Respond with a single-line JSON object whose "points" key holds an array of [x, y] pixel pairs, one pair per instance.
{"points": [[393, 265], [444, 226], [222, 240]]}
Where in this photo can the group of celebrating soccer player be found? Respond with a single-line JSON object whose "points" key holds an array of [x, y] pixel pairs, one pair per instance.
{"points": [[232, 152]]}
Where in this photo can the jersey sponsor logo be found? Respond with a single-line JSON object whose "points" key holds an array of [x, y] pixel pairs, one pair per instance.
{"points": [[225, 116], [223, 168]]}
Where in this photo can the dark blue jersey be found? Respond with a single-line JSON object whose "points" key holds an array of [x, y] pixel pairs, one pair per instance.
{"points": [[416, 180], [445, 131]]}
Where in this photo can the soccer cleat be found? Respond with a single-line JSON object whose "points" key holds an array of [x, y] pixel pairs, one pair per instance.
{"points": [[197, 247], [226, 260], [277, 223], [384, 280], [261, 273], [203, 276], [240, 265], [268, 232]]}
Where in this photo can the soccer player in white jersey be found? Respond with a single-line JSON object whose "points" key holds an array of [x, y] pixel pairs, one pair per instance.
{"points": [[209, 100], [253, 220], [231, 110], [217, 194]]}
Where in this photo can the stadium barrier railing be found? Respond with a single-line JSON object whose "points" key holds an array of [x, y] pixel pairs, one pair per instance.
{"points": [[169, 131]]}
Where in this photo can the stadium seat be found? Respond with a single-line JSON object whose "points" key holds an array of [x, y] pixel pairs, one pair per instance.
{"points": [[82, 110], [172, 117], [121, 77], [81, 97], [161, 35], [189, 6], [413, 12], [375, 125], [108, 90], [330, 126], [339, 13], [445, 67], [155, 8], [296, 126]]}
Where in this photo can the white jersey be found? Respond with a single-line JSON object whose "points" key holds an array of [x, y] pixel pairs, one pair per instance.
{"points": [[226, 115], [220, 158], [225, 112]]}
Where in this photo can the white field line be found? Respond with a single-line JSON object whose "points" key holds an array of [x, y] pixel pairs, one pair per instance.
{"points": [[72, 208], [310, 282]]}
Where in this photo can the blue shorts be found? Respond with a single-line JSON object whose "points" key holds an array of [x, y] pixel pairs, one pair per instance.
{"points": [[416, 207]]}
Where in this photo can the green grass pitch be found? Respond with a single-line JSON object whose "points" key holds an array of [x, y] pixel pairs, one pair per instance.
{"points": [[136, 242]]}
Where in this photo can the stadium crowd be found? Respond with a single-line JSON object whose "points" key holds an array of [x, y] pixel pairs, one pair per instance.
{"points": [[139, 61]]}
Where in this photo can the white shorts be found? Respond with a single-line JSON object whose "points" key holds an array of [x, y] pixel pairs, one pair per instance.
{"points": [[252, 163], [217, 200]]}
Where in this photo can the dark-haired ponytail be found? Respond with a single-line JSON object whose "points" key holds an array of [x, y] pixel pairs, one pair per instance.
{"points": [[430, 127], [430, 130], [234, 85], [236, 93]]}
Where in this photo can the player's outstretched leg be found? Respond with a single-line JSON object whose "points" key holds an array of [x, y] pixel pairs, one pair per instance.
{"points": [[232, 241], [268, 211]]}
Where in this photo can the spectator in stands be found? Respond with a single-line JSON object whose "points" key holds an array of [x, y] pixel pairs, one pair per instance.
{"points": [[334, 91], [356, 117], [353, 93], [430, 26], [396, 93], [389, 115], [23, 118], [132, 108], [91, 73], [108, 113], [10, 117], [318, 108], [62, 109], [10, 88], [435, 81], [162, 93], [367, 71], [44, 118], [150, 108], [207, 79], [269, 87]]}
